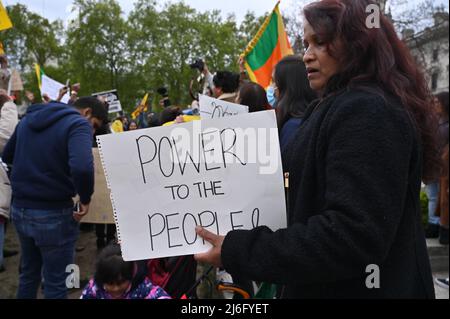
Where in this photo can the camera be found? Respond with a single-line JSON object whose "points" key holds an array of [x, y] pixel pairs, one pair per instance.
{"points": [[163, 92], [198, 64]]}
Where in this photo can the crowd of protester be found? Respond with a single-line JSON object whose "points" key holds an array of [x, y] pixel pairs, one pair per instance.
{"points": [[360, 133]]}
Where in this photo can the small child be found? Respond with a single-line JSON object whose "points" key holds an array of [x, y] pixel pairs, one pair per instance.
{"points": [[117, 279]]}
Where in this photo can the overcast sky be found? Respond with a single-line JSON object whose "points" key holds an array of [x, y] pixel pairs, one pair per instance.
{"points": [[60, 9]]}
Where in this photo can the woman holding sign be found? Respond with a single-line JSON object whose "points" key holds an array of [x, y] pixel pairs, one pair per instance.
{"points": [[355, 171]]}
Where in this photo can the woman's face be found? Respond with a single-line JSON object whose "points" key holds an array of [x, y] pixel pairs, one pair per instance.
{"points": [[133, 126], [117, 290], [320, 66], [276, 91], [217, 92]]}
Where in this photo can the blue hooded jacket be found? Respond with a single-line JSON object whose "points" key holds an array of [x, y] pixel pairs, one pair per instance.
{"points": [[51, 154]]}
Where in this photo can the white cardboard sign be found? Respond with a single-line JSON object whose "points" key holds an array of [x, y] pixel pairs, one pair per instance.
{"points": [[223, 174], [51, 88], [211, 108]]}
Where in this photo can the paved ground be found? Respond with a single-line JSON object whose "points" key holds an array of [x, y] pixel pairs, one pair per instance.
{"points": [[441, 293], [86, 261]]}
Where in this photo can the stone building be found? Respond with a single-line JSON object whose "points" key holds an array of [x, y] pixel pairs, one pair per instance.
{"points": [[430, 48]]}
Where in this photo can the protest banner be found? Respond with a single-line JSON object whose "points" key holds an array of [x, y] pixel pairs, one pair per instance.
{"points": [[211, 108], [112, 99], [222, 174], [100, 208]]}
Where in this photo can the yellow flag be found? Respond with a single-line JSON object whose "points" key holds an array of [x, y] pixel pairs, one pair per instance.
{"points": [[140, 108], [39, 72], [5, 22], [144, 102]]}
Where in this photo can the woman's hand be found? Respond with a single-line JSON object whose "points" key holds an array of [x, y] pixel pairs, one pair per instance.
{"points": [[76, 87], [63, 91], [179, 119], [213, 256], [45, 98]]}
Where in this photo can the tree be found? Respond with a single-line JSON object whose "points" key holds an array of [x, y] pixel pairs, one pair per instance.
{"points": [[417, 18], [152, 47], [33, 39], [293, 19], [249, 27], [96, 41], [164, 43]]}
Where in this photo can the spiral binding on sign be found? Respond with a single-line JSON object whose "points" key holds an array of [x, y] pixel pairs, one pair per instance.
{"points": [[99, 146], [119, 240], [111, 197]]}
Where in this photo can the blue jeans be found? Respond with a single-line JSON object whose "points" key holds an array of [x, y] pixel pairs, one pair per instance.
{"points": [[2, 241], [47, 240], [432, 191]]}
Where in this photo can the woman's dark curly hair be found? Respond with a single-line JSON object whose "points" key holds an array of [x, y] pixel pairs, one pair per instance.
{"points": [[377, 55]]}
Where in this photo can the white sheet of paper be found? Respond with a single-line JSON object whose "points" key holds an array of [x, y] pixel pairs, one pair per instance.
{"points": [[51, 88], [211, 108], [156, 219]]}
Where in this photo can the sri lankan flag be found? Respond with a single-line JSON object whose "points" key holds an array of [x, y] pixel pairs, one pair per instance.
{"points": [[268, 47]]}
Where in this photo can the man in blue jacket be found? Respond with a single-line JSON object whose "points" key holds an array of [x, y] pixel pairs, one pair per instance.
{"points": [[51, 154]]}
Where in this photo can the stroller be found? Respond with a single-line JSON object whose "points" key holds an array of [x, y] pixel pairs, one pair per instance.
{"points": [[177, 276]]}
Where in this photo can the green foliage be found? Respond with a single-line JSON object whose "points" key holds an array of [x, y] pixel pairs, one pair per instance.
{"points": [[96, 41], [32, 39], [103, 49]]}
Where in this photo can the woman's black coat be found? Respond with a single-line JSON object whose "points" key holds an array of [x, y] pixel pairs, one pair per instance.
{"points": [[355, 178]]}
